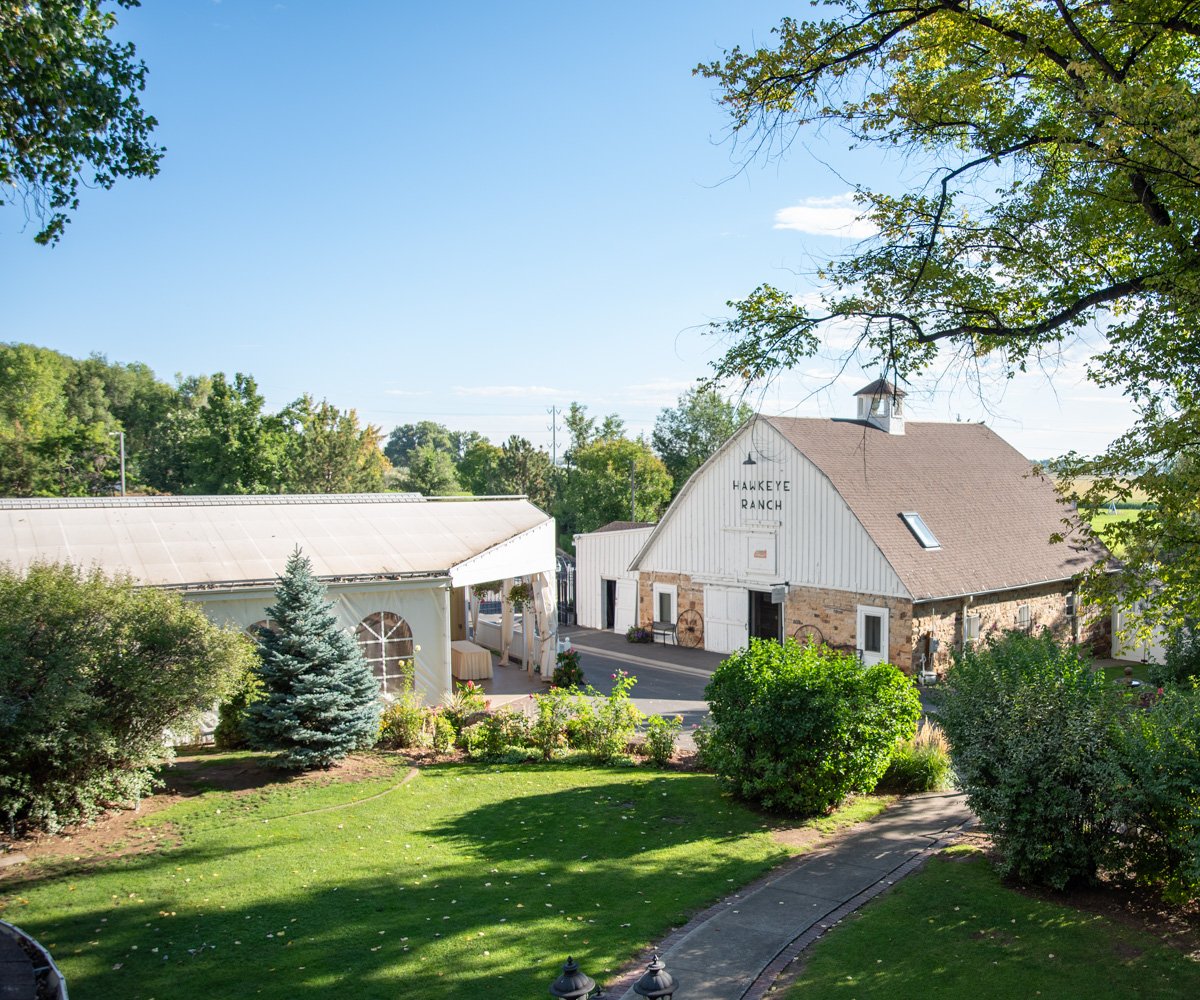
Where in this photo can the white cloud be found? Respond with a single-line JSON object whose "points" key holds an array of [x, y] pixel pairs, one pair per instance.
{"points": [[506, 391], [836, 216]]}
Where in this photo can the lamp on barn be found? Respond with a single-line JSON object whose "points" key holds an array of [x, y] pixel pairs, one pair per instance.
{"points": [[749, 460], [572, 984], [656, 983]]}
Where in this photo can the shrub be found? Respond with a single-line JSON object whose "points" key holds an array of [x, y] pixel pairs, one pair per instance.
{"points": [[921, 764], [661, 735], [92, 672], [605, 730], [548, 731], [444, 733], [497, 735], [402, 725], [568, 673], [467, 702], [1182, 661], [230, 732], [1032, 732], [797, 728], [1159, 808]]}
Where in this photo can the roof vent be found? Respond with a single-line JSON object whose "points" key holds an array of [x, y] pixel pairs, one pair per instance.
{"points": [[881, 404]]}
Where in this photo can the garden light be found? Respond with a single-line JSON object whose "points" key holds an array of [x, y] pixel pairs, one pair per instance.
{"points": [[656, 981], [572, 984]]}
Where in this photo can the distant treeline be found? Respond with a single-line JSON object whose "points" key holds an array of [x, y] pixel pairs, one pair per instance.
{"points": [[61, 421]]}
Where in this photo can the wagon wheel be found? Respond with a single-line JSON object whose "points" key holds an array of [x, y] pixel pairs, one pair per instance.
{"points": [[689, 629], [809, 633]]}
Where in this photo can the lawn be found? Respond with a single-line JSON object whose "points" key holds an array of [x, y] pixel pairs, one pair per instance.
{"points": [[467, 880], [953, 930]]}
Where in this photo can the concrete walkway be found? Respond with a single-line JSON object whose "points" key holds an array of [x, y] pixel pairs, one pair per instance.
{"points": [[736, 949]]}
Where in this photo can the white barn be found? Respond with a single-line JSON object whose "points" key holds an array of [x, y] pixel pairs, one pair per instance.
{"points": [[606, 590], [396, 565], [898, 540]]}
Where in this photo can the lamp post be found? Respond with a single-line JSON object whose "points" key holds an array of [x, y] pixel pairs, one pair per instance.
{"points": [[656, 983], [572, 984], [121, 435]]}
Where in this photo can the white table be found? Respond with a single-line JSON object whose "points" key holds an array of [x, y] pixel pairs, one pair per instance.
{"points": [[469, 662]]}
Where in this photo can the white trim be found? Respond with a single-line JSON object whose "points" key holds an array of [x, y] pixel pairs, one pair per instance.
{"points": [[673, 591], [871, 657]]}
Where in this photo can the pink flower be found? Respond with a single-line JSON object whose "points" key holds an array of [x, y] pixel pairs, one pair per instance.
{"points": [[614, 676]]}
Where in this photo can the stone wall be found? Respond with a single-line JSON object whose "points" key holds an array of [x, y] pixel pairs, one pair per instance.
{"points": [[835, 613], [999, 613], [689, 596]]}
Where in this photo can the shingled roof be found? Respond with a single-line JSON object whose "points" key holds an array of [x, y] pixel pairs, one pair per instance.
{"points": [[974, 491]]}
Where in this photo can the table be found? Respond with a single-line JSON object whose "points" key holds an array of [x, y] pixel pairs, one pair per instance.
{"points": [[469, 662]]}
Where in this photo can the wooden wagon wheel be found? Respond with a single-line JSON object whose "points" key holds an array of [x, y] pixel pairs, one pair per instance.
{"points": [[689, 629], [805, 633]]}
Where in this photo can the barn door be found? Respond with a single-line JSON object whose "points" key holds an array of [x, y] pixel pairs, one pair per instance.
{"points": [[626, 611], [872, 634], [726, 612]]}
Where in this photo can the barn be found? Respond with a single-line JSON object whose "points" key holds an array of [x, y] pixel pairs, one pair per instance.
{"points": [[398, 567], [896, 539]]}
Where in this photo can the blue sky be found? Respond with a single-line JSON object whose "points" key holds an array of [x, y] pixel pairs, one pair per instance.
{"points": [[467, 213]]}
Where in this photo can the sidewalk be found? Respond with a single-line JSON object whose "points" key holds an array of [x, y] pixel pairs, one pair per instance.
{"points": [[736, 949]]}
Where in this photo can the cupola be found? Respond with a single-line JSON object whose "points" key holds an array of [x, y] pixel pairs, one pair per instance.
{"points": [[881, 404]]}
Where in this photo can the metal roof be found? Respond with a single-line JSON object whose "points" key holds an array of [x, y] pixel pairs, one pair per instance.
{"points": [[214, 541]]}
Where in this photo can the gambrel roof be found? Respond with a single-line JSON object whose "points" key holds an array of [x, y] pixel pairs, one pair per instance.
{"points": [[992, 516]]}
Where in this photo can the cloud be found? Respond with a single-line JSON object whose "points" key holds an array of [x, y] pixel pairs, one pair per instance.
{"points": [[407, 392], [506, 391], [836, 216]]}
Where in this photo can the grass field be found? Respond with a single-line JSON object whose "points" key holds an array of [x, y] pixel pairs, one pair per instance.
{"points": [[953, 930], [467, 880]]}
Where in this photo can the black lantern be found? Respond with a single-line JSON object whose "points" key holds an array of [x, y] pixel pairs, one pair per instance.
{"points": [[656, 982], [572, 984]]}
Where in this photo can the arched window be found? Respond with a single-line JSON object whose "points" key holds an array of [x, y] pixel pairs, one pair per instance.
{"points": [[262, 625], [387, 646]]}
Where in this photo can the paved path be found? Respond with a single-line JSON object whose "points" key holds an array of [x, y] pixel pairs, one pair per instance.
{"points": [[736, 949]]}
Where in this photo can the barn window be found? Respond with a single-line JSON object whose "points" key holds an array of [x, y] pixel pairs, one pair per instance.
{"points": [[1024, 617], [916, 524], [387, 645], [971, 628]]}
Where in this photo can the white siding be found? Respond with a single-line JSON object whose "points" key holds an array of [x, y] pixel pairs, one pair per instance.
{"points": [[602, 555], [729, 526]]}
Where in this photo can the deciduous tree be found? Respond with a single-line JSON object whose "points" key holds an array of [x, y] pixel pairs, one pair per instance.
{"points": [[1060, 194], [597, 489], [70, 110], [685, 436]]}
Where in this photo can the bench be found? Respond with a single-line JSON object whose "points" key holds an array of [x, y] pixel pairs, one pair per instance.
{"points": [[666, 630]]}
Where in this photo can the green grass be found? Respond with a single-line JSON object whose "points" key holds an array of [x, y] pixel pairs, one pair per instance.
{"points": [[1117, 673], [1101, 521], [952, 930], [467, 881]]}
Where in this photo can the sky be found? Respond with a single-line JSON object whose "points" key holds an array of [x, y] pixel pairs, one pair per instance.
{"points": [[470, 213]]}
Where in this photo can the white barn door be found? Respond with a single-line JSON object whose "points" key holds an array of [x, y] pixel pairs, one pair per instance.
{"points": [[625, 615], [726, 618]]}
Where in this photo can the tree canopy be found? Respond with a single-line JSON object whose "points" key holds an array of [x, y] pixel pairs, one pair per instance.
{"points": [[597, 490], [69, 108], [685, 436], [1060, 196]]}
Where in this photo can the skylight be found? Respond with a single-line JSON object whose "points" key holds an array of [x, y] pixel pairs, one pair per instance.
{"points": [[918, 527]]}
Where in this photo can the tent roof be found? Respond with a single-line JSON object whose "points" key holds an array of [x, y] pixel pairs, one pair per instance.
{"points": [[212, 541]]}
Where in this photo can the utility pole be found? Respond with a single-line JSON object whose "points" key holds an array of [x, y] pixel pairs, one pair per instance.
{"points": [[121, 436], [553, 411], [632, 493]]}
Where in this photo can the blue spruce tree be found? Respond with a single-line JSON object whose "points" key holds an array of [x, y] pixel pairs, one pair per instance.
{"points": [[320, 700]]}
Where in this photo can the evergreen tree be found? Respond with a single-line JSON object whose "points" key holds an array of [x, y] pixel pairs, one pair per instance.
{"points": [[320, 699]]}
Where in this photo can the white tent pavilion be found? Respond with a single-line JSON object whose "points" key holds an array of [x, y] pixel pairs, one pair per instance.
{"points": [[396, 565]]}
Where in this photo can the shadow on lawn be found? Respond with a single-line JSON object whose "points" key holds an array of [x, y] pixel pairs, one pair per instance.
{"points": [[595, 871]]}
